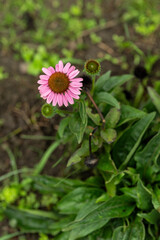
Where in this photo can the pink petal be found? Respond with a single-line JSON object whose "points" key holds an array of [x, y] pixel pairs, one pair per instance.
{"points": [[57, 67], [45, 93], [43, 88], [44, 77], [73, 74], [73, 95], [51, 69], [69, 98], [60, 66], [50, 97], [59, 99], [75, 90], [46, 71], [76, 79], [43, 82], [54, 102], [67, 66], [71, 69], [76, 84], [65, 101]]}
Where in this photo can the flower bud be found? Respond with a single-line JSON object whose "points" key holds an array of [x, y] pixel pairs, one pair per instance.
{"points": [[47, 110], [92, 67], [91, 161]]}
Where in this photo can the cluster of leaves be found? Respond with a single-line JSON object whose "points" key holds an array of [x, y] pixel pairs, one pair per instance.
{"points": [[121, 198], [143, 14]]}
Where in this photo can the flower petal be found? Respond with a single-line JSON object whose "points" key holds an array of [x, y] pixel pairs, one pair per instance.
{"points": [[67, 66], [51, 69], [57, 67], [46, 93], [69, 98], [46, 71], [50, 97], [71, 69], [43, 82], [59, 99], [54, 102], [75, 90], [76, 84], [44, 77], [65, 101], [73, 95], [60, 66], [76, 79], [73, 74]]}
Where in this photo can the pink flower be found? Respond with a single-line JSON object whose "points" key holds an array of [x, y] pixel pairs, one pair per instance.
{"points": [[60, 85]]}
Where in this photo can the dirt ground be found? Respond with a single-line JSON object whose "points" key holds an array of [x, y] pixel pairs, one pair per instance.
{"points": [[20, 102]]}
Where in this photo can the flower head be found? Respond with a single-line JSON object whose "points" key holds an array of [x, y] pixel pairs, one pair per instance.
{"points": [[92, 67], [60, 85]]}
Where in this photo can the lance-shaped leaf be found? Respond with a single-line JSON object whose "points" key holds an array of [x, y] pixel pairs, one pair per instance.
{"points": [[127, 144], [101, 81], [104, 97], [112, 118], [155, 97], [98, 216]]}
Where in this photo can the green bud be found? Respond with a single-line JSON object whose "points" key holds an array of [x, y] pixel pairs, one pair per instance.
{"points": [[109, 135], [47, 110], [112, 118], [92, 67]]}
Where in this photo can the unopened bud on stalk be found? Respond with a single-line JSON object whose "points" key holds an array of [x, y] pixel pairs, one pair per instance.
{"points": [[92, 67], [47, 110]]}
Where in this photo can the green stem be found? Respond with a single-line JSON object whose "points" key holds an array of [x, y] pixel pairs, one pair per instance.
{"points": [[93, 84]]}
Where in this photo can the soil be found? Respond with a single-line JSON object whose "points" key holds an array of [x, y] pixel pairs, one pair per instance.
{"points": [[20, 104]]}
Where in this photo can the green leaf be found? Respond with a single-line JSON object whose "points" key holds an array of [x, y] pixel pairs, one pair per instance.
{"points": [[156, 198], [82, 111], [109, 135], [63, 124], [75, 200], [105, 163], [48, 184], [143, 197], [155, 97], [116, 81], [152, 217], [127, 144], [135, 231], [116, 207], [101, 81], [147, 158], [93, 116], [107, 98], [129, 113], [112, 118], [112, 182], [77, 127]]}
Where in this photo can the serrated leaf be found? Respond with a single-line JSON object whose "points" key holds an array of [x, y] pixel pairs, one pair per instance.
{"points": [[116, 207], [155, 97], [127, 144], [109, 135], [135, 231], [116, 81], [93, 116], [101, 80], [104, 97], [129, 113]]}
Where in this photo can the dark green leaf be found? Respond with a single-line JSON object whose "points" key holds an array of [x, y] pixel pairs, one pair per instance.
{"points": [[116, 207], [155, 97], [116, 81], [127, 144], [153, 217], [105, 163], [75, 200], [101, 81], [129, 113], [104, 97], [77, 127], [82, 111], [63, 124], [143, 197], [93, 116], [135, 231]]}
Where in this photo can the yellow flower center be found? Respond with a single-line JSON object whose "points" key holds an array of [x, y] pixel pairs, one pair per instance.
{"points": [[58, 82]]}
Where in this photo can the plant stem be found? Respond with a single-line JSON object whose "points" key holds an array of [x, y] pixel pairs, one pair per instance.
{"points": [[96, 107], [93, 84]]}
